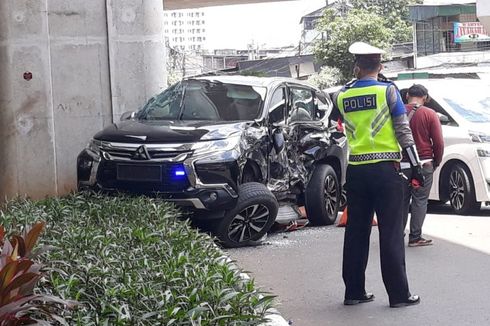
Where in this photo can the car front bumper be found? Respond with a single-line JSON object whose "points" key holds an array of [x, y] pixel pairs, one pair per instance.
{"points": [[174, 181]]}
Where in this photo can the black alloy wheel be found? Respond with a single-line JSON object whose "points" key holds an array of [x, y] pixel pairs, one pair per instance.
{"points": [[462, 195], [248, 223], [323, 196], [331, 192], [250, 219]]}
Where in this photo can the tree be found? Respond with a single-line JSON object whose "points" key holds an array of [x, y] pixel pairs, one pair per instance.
{"points": [[386, 8], [327, 77], [395, 12], [358, 25]]}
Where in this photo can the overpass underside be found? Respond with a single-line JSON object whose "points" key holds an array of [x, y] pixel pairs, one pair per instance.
{"points": [[186, 4]]}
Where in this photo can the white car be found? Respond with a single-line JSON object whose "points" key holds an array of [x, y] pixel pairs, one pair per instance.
{"points": [[463, 106]]}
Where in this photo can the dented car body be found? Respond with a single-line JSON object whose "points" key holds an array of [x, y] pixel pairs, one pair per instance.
{"points": [[198, 143]]}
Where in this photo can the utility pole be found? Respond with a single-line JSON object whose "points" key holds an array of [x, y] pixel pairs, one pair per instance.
{"points": [[414, 36]]}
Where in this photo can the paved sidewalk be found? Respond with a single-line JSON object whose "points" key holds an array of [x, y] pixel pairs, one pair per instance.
{"points": [[304, 269]]}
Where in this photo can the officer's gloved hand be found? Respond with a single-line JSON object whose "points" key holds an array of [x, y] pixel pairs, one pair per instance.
{"points": [[418, 178]]}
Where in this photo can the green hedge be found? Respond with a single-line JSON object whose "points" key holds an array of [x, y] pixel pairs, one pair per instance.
{"points": [[132, 261]]}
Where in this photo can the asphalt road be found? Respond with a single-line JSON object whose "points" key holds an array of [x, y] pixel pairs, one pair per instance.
{"points": [[303, 268]]}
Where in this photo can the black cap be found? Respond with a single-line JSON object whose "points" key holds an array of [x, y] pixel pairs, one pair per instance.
{"points": [[417, 90]]}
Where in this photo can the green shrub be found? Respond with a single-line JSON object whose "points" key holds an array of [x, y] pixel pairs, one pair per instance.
{"points": [[132, 261]]}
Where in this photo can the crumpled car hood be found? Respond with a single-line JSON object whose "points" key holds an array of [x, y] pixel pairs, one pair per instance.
{"points": [[169, 131]]}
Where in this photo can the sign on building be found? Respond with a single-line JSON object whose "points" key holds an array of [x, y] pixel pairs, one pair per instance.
{"points": [[470, 32]]}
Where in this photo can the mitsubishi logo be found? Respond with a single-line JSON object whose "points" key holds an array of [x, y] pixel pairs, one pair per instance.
{"points": [[141, 153]]}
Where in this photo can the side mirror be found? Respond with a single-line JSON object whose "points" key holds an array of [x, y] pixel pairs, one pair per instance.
{"points": [[443, 118], [278, 140], [128, 115]]}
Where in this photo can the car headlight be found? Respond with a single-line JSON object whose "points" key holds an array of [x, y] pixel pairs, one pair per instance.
{"points": [[222, 145], [479, 137], [94, 146]]}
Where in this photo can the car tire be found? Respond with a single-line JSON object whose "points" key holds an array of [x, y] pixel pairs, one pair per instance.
{"points": [[461, 190], [250, 219], [323, 196]]}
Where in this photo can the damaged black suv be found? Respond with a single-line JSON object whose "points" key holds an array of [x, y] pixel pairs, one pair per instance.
{"points": [[228, 147]]}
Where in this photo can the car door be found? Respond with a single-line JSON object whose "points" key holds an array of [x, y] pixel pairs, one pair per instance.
{"points": [[278, 167], [305, 129]]}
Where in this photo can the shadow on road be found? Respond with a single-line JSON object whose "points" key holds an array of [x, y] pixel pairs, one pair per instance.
{"points": [[304, 269], [446, 209]]}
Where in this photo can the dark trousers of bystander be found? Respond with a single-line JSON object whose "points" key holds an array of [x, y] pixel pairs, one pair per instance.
{"points": [[418, 206], [376, 188]]}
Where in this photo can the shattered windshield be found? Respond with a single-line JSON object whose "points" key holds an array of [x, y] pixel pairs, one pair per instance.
{"points": [[205, 100]]}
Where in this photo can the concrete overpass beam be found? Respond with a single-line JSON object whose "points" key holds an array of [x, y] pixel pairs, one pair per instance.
{"points": [[186, 4]]}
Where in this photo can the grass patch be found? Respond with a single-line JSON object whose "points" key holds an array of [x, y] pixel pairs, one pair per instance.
{"points": [[132, 261]]}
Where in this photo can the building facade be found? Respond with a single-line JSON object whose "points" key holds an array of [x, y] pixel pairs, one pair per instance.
{"points": [[483, 12], [448, 28], [185, 30]]}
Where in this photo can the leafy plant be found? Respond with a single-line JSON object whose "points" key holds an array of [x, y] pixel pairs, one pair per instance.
{"points": [[18, 278], [135, 261], [381, 23], [327, 77], [358, 25]]}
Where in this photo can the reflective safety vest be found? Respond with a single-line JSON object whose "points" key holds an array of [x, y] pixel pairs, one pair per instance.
{"points": [[367, 120]]}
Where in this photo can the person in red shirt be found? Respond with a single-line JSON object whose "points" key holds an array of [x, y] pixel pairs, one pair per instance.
{"points": [[427, 134]]}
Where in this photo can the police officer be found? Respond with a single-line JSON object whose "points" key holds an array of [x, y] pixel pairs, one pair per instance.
{"points": [[377, 129]]}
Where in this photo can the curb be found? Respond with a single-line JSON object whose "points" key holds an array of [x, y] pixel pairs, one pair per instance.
{"points": [[273, 316]]}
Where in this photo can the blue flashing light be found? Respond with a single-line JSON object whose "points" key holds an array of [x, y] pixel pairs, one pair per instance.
{"points": [[179, 173]]}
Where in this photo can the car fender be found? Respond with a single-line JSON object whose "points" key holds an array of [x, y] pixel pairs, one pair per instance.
{"points": [[467, 155]]}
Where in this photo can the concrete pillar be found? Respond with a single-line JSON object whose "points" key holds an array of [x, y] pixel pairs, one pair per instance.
{"points": [[67, 68], [136, 52]]}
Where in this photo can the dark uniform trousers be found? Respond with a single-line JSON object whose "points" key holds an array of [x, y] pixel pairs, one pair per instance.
{"points": [[375, 187]]}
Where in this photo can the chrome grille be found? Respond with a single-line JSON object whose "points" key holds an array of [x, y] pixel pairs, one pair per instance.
{"points": [[156, 152]]}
